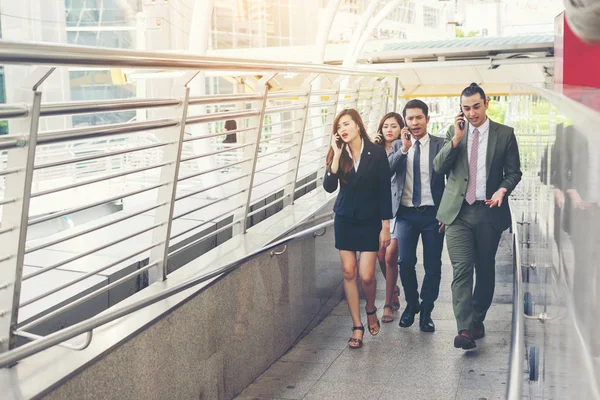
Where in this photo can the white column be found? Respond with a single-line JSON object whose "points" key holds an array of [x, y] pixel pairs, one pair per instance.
{"points": [[324, 29], [320, 47], [362, 25], [373, 24], [197, 45]]}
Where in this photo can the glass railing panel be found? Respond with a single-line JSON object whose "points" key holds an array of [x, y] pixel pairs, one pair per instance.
{"points": [[558, 208]]}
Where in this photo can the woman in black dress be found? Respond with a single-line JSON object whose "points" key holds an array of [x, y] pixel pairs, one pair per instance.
{"points": [[362, 209]]}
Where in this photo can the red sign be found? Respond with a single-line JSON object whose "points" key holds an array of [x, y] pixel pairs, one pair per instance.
{"points": [[576, 62]]}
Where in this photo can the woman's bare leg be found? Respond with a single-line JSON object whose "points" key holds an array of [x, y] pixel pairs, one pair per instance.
{"points": [[369, 284], [350, 269]]}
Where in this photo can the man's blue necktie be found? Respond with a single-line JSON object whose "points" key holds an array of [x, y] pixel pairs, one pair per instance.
{"points": [[417, 175]]}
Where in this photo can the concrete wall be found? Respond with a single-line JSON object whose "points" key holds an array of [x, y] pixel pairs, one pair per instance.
{"points": [[218, 342]]}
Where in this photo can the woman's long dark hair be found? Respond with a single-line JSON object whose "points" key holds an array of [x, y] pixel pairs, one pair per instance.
{"points": [[392, 114], [346, 163]]}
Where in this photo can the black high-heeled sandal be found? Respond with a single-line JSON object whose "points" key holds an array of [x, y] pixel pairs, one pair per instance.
{"points": [[355, 340], [373, 330]]}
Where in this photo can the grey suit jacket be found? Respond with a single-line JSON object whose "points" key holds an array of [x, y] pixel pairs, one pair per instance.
{"points": [[397, 162], [503, 169]]}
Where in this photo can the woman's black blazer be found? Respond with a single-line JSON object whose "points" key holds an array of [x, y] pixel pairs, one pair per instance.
{"points": [[367, 193]]}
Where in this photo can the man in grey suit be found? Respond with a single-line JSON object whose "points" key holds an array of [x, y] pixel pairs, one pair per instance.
{"points": [[483, 167], [415, 202]]}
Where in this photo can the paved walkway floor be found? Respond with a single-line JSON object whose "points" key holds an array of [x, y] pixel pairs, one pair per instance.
{"points": [[399, 363]]}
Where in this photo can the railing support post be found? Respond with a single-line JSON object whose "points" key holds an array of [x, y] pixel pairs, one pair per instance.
{"points": [[16, 213], [167, 194], [263, 85], [290, 189], [357, 83]]}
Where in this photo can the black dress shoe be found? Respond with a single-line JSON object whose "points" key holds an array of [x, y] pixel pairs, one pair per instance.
{"points": [[478, 330], [408, 316], [425, 322], [464, 340]]}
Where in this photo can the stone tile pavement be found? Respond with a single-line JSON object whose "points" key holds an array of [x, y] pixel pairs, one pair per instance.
{"points": [[399, 363]]}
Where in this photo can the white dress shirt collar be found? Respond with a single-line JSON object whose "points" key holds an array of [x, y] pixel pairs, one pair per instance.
{"points": [[423, 141], [483, 129], [362, 147]]}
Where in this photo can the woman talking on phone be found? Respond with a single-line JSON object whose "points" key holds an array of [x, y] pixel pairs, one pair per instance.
{"points": [[362, 209], [387, 132]]}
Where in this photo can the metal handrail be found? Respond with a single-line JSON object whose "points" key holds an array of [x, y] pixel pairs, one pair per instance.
{"points": [[84, 254], [153, 160], [89, 296], [514, 387], [15, 110], [94, 228], [87, 275], [13, 356], [82, 346], [274, 165], [95, 204], [8, 111], [16, 52], [215, 169], [97, 131], [106, 154], [96, 180], [274, 178], [210, 203], [204, 189]]}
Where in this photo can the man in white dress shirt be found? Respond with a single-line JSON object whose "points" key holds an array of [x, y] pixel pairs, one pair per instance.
{"points": [[481, 159], [420, 190]]}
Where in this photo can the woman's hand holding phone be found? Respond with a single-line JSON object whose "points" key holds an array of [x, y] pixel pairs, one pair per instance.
{"points": [[336, 145], [406, 142]]}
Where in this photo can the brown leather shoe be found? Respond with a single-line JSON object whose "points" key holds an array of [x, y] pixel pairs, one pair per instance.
{"points": [[464, 340], [478, 330]]}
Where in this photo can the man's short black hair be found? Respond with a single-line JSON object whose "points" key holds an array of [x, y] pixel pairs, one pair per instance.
{"points": [[416, 103], [473, 89]]}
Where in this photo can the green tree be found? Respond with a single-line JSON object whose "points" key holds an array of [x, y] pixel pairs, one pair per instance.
{"points": [[461, 34], [497, 111]]}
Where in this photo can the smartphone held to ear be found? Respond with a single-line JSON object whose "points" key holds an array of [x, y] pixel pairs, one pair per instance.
{"points": [[461, 124]]}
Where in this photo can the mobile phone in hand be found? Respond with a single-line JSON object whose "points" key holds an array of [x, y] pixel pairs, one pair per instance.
{"points": [[461, 124]]}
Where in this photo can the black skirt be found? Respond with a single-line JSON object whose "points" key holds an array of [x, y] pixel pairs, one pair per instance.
{"points": [[356, 235]]}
